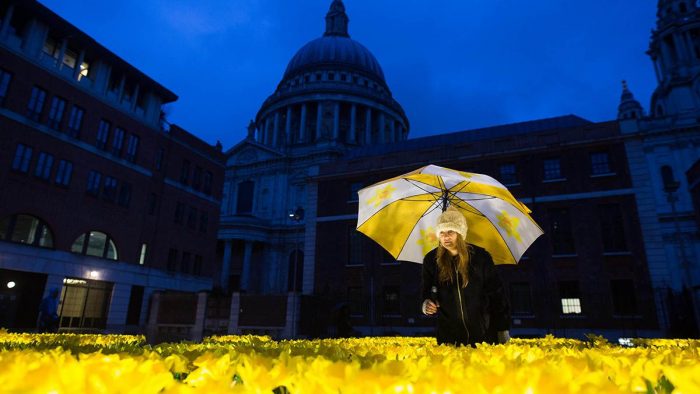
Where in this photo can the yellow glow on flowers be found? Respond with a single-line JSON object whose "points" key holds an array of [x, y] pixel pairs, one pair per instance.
{"points": [[253, 364], [509, 223]]}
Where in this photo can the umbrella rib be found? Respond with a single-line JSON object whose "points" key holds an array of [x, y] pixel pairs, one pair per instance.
{"points": [[415, 183], [426, 213]]}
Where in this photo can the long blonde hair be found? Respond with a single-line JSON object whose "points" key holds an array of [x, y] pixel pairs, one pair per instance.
{"points": [[445, 271]]}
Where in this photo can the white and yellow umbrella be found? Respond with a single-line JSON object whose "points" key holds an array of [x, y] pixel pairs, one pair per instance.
{"points": [[400, 213]]}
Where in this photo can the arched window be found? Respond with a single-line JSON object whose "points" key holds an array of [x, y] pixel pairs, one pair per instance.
{"points": [[26, 229], [95, 243]]}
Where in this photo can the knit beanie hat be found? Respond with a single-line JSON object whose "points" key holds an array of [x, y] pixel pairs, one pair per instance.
{"points": [[452, 219]]}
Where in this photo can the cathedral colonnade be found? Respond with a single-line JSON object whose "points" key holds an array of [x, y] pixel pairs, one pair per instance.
{"points": [[329, 120]]}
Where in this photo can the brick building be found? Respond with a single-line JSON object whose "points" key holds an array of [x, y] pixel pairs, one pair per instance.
{"points": [[99, 196]]}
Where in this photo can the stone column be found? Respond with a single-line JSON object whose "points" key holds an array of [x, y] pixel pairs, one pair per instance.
{"points": [[234, 313], [392, 130], [245, 275], [302, 124], [382, 132], [134, 98], [276, 129], [368, 126], [62, 53], [200, 316], [268, 132], [226, 265], [336, 120], [319, 119], [288, 125], [352, 135]]}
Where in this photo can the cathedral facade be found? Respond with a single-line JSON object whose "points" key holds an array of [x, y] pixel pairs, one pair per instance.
{"points": [[619, 254]]}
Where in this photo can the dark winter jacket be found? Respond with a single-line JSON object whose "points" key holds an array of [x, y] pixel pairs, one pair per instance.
{"points": [[484, 307]]}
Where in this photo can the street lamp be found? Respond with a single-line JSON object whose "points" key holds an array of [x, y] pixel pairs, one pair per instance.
{"points": [[671, 187], [296, 216]]}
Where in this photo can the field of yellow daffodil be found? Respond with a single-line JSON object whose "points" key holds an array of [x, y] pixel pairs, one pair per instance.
{"points": [[69, 363]]}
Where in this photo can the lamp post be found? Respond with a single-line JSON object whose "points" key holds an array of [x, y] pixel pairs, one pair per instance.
{"points": [[296, 216], [671, 187]]}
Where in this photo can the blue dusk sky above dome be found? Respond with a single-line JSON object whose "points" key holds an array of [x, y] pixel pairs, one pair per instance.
{"points": [[452, 65]]}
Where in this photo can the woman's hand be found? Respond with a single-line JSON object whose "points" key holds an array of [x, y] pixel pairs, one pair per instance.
{"points": [[430, 307]]}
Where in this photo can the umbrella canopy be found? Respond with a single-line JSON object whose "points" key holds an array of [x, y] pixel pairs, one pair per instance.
{"points": [[400, 213]]}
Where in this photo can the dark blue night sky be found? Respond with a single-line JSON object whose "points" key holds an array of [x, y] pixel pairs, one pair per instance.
{"points": [[452, 64]]}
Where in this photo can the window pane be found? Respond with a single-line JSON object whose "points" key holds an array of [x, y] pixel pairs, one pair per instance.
{"points": [[77, 246], [45, 237], [96, 244], [112, 251], [25, 229]]}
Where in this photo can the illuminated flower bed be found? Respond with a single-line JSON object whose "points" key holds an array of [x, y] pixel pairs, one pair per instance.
{"points": [[252, 364]]}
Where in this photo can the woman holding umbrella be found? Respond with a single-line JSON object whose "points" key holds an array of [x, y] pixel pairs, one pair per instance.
{"points": [[461, 286]]}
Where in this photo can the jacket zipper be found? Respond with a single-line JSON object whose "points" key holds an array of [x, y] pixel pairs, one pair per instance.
{"points": [[461, 307]]}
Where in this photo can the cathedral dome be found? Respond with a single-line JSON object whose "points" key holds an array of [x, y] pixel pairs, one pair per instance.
{"points": [[334, 50]]}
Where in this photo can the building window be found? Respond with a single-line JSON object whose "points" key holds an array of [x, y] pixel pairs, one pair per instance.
{"points": [[508, 174], [102, 134], [185, 263], [152, 203], [552, 169], [355, 247], [58, 105], [561, 232], [97, 244], [192, 217], [94, 181], [521, 298], [600, 163], [132, 147], [5, 78], [172, 260], [36, 103], [143, 254], [185, 172], [356, 300], [44, 164], [159, 158], [570, 297], [23, 156], [207, 183], [203, 222], [197, 178], [623, 299], [612, 228], [179, 212], [197, 267], [75, 121], [64, 172], [26, 229], [244, 201], [392, 305], [124, 198], [118, 141], [109, 190]]}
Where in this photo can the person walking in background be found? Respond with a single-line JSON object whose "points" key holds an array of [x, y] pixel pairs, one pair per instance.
{"points": [[48, 312], [461, 286]]}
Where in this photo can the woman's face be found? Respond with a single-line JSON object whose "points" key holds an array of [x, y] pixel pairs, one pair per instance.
{"points": [[448, 240]]}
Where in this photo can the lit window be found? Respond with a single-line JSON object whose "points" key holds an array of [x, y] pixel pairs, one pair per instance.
{"points": [[95, 243], [142, 256], [570, 305], [26, 229]]}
